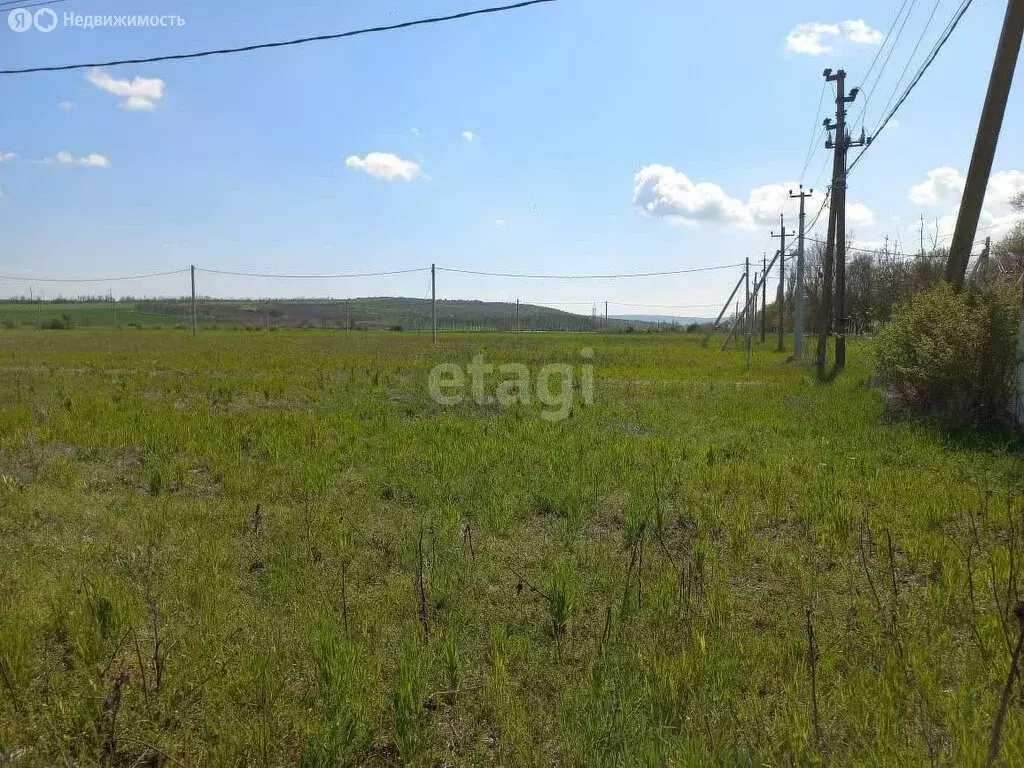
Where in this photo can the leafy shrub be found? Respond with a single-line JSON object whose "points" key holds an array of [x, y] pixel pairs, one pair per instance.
{"points": [[951, 355], [62, 323]]}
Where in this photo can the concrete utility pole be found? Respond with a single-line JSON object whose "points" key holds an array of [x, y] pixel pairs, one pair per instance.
{"points": [[841, 144], [1019, 409], [825, 310], [193, 271], [764, 295], [781, 303], [749, 316], [798, 318], [985, 143], [433, 299]]}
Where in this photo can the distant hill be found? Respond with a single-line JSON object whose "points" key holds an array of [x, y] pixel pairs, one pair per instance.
{"points": [[371, 313]]}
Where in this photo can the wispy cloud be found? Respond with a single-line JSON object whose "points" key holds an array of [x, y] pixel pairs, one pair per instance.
{"points": [[385, 166], [140, 93], [91, 160], [469, 136], [67, 106], [5, 156], [816, 38]]}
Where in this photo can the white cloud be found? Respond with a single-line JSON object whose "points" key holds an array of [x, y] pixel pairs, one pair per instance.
{"points": [[415, 131], [807, 38], [768, 201], [469, 136], [384, 165], [1003, 187], [67, 106], [664, 192], [944, 187], [138, 94], [815, 38], [92, 160], [5, 156], [857, 31], [499, 222], [859, 214]]}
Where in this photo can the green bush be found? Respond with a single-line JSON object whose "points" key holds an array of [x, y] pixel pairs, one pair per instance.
{"points": [[951, 355]]}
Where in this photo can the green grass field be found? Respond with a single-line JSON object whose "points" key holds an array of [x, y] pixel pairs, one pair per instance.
{"points": [[478, 585]]}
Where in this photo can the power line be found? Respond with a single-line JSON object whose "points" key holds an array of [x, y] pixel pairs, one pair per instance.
{"points": [[312, 277], [281, 43], [590, 277], [910, 58], [892, 48], [12, 5], [815, 132], [22, 279], [917, 78], [888, 36]]}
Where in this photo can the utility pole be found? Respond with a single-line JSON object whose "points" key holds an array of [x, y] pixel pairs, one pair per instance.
{"points": [[985, 143], [433, 299], [798, 318], [764, 294], [348, 315], [606, 314], [781, 303], [1019, 409], [825, 310], [749, 317], [193, 271], [841, 144], [517, 315], [725, 308]]}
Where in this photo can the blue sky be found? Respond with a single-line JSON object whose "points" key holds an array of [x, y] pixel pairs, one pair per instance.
{"points": [[606, 136]]}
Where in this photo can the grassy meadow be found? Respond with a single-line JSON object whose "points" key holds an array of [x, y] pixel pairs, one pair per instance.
{"points": [[277, 550]]}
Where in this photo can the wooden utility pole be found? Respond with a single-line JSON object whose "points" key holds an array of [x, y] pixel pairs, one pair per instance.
{"points": [[798, 317], [781, 302], [193, 271], [433, 299], [517, 315], [841, 144], [985, 143]]}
